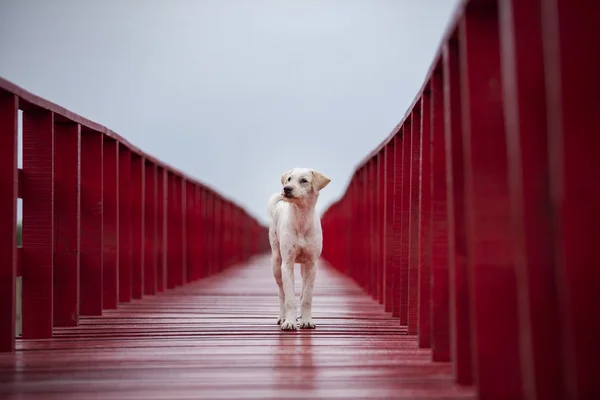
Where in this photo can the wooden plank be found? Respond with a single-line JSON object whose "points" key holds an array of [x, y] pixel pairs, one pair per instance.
{"points": [[405, 216], [137, 210], [67, 195], [572, 85], [389, 180], [125, 221], [413, 222], [487, 208], [110, 224], [38, 223], [425, 281], [458, 254], [529, 182], [440, 307], [190, 342], [92, 205], [150, 228], [9, 106]]}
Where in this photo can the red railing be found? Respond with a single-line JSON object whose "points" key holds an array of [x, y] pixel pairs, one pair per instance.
{"points": [[103, 222], [475, 221]]}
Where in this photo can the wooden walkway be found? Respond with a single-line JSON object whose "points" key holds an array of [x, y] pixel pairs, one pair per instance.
{"points": [[218, 339]]}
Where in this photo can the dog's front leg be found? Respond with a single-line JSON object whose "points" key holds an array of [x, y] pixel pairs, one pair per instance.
{"points": [[309, 273], [287, 271]]}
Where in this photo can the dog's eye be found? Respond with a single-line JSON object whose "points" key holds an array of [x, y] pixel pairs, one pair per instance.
{"points": [[289, 179], [303, 181]]}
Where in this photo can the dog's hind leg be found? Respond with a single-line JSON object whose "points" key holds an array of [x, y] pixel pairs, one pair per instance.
{"points": [[287, 272], [309, 273], [276, 261]]}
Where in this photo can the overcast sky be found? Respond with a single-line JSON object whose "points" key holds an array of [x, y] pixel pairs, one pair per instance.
{"points": [[233, 93]]}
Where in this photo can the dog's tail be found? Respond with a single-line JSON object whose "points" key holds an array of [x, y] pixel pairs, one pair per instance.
{"points": [[272, 207]]}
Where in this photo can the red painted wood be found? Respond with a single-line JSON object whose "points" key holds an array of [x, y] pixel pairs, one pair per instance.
{"points": [[405, 215], [183, 226], [489, 241], [38, 223], [440, 302], [110, 224], [397, 224], [526, 133], [458, 253], [183, 345], [174, 259], [425, 225], [202, 240], [9, 104], [364, 232], [125, 223], [151, 233], [190, 231], [571, 56], [161, 226], [216, 229], [92, 205], [381, 259], [67, 211], [137, 225], [414, 224], [210, 236], [390, 171], [372, 221]]}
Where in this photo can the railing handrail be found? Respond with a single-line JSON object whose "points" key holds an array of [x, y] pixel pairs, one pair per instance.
{"points": [[48, 105]]}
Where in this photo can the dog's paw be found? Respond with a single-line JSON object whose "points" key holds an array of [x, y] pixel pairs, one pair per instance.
{"points": [[279, 320], [307, 324], [288, 325]]}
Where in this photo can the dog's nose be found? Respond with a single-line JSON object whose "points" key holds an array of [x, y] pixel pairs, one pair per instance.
{"points": [[287, 189]]}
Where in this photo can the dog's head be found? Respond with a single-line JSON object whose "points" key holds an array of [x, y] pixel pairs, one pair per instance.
{"points": [[302, 184]]}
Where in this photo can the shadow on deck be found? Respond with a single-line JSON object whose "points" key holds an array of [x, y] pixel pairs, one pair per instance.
{"points": [[217, 339]]}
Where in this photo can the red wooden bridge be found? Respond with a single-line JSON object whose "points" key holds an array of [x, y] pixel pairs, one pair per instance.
{"points": [[461, 262]]}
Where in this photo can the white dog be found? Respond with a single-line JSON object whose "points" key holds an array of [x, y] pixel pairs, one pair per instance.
{"points": [[295, 236]]}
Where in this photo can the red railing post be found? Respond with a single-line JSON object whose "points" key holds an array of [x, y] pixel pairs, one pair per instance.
{"points": [[381, 203], [161, 228], [38, 223], [388, 223], [440, 306], [203, 236], [371, 173], [190, 230], [110, 223], [174, 231], [9, 104], [182, 215], [210, 233], [414, 223], [494, 318], [405, 215], [217, 232], [138, 217], [67, 147], [151, 231], [458, 252], [425, 224], [92, 205], [529, 178], [571, 56], [397, 225], [124, 224]]}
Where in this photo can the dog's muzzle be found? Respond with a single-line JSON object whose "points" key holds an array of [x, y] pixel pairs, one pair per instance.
{"points": [[287, 192]]}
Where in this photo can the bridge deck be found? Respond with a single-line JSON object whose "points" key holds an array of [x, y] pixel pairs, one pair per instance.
{"points": [[217, 339]]}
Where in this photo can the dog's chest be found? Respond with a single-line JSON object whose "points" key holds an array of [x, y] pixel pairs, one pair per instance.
{"points": [[304, 250]]}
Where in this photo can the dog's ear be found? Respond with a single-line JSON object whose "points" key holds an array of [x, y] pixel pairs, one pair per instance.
{"points": [[319, 180], [285, 175]]}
